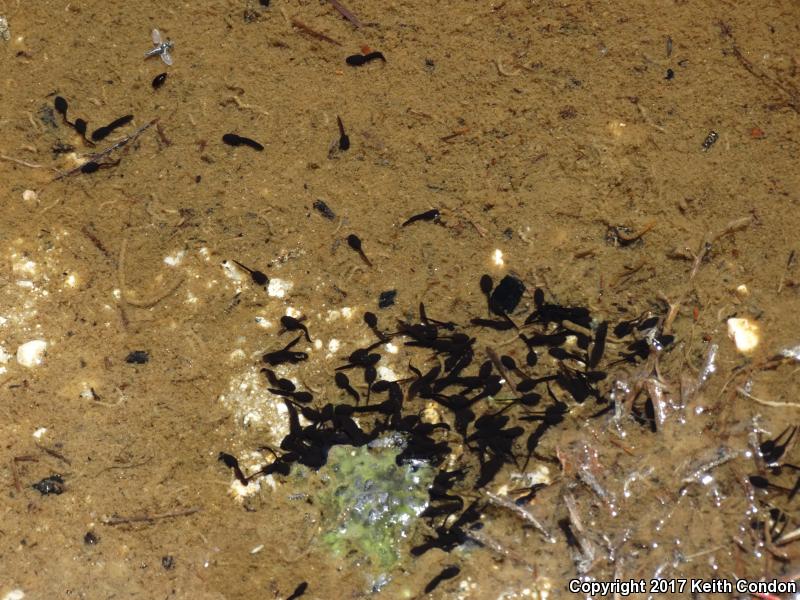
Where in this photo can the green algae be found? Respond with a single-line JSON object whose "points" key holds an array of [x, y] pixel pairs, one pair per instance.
{"points": [[370, 504]]}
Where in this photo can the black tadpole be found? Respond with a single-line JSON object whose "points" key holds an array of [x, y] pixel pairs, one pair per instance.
{"points": [[355, 243], [371, 320], [356, 60], [301, 588], [61, 107], [232, 463], [344, 139], [80, 126], [233, 139], [343, 383], [292, 324], [103, 132], [444, 574], [258, 277], [428, 215]]}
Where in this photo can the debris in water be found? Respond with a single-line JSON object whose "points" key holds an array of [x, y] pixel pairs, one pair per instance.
{"points": [[387, 298], [90, 539], [5, 32], [137, 357], [54, 484], [162, 47], [710, 140], [745, 334], [322, 208], [159, 80]]}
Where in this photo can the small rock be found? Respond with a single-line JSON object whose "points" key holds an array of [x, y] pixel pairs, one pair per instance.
{"points": [[50, 485], [168, 562], [5, 32], [137, 357], [30, 197], [745, 334], [31, 354]]}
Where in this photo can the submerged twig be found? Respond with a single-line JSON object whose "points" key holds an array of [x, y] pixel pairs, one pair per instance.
{"points": [[346, 13], [117, 520], [313, 32], [20, 162], [102, 154], [520, 511], [150, 302], [772, 403]]}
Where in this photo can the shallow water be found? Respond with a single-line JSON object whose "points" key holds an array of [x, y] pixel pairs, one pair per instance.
{"points": [[547, 134]]}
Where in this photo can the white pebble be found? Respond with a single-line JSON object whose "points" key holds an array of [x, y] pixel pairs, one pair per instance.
{"points": [[30, 197], [278, 287], [14, 595], [497, 258], [744, 333], [31, 354]]}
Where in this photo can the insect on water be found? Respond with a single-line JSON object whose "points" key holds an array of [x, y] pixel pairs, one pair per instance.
{"points": [[162, 48]]}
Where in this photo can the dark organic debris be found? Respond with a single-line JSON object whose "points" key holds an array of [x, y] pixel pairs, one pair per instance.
{"points": [[54, 484], [159, 80], [322, 208], [710, 140], [137, 357], [387, 298], [346, 13], [90, 539], [168, 562], [233, 139]]}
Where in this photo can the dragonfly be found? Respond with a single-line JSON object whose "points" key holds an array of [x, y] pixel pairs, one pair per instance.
{"points": [[162, 48]]}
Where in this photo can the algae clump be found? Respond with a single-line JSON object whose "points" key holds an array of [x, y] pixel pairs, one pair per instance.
{"points": [[370, 503]]}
